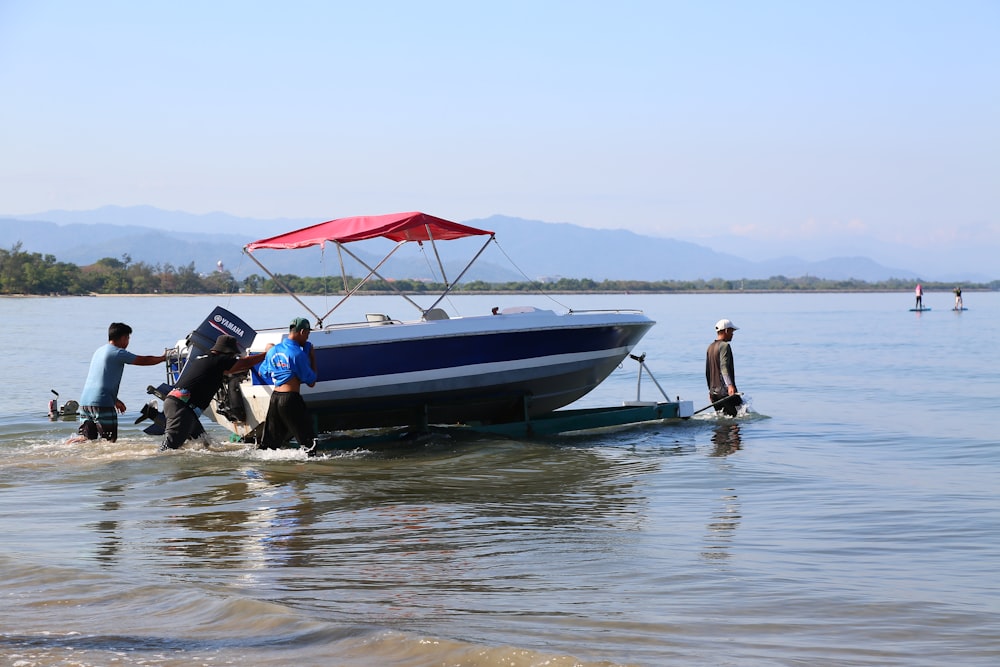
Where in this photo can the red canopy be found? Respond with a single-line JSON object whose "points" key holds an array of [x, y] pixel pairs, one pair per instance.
{"points": [[412, 226]]}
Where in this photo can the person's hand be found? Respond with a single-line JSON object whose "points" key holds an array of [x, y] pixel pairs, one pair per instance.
{"points": [[119, 406], [732, 389]]}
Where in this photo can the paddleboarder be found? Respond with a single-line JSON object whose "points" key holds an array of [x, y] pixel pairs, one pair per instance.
{"points": [[720, 373], [920, 296], [958, 298]]}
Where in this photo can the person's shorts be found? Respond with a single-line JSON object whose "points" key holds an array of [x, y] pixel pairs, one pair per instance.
{"points": [[729, 406], [99, 422]]}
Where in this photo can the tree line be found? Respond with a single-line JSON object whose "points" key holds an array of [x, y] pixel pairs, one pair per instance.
{"points": [[23, 273]]}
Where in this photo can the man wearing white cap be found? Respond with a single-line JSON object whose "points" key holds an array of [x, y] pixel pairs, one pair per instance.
{"points": [[720, 372]]}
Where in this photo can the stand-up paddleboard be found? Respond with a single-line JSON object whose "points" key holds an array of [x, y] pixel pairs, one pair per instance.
{"points": [[959, 309], [918, 310]]}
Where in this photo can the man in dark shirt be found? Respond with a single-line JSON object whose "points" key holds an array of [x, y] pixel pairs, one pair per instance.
{"points": [[720, 371], [199, 381]]}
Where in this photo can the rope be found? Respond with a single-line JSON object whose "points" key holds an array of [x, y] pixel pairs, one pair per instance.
{"points": [[434, 276], [533, 283], [236, 283]]}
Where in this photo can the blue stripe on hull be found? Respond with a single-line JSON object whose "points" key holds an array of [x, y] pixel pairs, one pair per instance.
{"points": [[427, 354]]}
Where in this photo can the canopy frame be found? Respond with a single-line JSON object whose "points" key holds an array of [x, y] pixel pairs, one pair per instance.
{"points": [[402, 227]]}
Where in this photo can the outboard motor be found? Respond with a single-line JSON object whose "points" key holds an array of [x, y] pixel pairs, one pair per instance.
{"points": [[229, 400], [69, 409]]}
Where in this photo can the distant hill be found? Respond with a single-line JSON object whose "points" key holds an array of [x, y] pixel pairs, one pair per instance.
{"points": [[538, 249], [173, 221], [565, 250]]}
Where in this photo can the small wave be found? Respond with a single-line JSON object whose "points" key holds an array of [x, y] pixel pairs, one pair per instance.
{"points": [[71, 616]]}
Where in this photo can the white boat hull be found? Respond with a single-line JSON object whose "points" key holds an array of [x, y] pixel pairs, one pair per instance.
{"points": [[489, 369]]}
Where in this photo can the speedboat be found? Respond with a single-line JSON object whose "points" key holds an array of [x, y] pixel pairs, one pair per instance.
{"points": [[436, 368]]}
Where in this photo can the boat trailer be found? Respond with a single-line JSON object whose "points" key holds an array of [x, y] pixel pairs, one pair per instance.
{"points": [[558, 422]]}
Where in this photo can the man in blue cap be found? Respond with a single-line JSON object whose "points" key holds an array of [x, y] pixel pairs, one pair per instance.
{"points": [[289, 364]]}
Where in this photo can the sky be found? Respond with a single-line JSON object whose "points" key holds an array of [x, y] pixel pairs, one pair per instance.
{"points": [[758, 124]]}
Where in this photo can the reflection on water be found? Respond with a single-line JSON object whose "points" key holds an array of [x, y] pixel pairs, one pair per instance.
{"points": [[720, 534], [721, 529], [726, 439], [391, 523], [109, 536], [250, 519]]}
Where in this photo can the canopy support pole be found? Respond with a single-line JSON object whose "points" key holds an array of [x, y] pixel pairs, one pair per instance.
{"points": [[343, 270], [319, 320], [371, 272], [448, 288], [437, 255]]}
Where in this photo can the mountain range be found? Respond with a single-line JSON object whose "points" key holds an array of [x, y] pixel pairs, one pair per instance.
{"points": [[540, 250]]}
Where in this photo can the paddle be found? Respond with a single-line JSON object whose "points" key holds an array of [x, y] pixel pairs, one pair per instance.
{"points": [[718, 402]]}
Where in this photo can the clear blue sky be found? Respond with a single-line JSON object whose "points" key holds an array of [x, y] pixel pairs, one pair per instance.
{"points": [[762, 121]]}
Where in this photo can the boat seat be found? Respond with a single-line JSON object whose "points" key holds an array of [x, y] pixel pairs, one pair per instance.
{"points": [[377, 318], [435, 314]]}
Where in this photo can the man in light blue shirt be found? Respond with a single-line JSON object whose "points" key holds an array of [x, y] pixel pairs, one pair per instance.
{"points": [[99, 400], [289, 364]]}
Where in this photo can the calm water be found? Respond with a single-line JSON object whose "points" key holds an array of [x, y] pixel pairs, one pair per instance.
{"points": [[851, 519]]}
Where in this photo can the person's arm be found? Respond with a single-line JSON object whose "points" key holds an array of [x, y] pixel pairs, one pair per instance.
{"points": [[306, 372], [727, 368], [246, 362], [148, 360]]}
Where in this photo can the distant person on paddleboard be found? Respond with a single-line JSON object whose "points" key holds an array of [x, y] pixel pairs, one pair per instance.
{"points": [[289, 364], [199, 381], [958, 298], [720, 371], [99, 401], [920, 296]]}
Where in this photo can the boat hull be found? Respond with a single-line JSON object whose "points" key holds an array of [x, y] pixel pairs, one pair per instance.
{"points": [[490, 369]]}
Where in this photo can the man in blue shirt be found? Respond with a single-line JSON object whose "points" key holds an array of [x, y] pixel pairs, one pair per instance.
{"points": [[99, 401], [289, 364]]}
